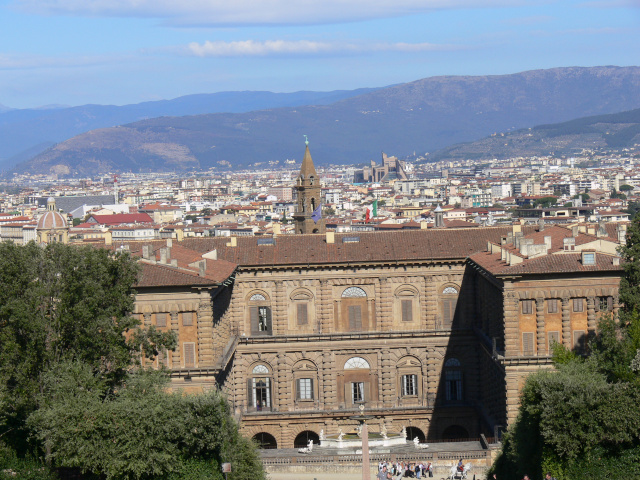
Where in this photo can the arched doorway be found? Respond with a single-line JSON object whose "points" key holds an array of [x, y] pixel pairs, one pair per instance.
{"points": [[413, 432], [302, 440], [455, 432], [265, 440]]}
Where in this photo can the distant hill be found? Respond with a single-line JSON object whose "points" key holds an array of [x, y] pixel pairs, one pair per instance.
{"points": [[422, 116], [26, 132], [600, 132]]}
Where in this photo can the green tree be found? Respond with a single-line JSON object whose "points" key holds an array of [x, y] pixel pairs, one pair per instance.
{"points": [[545, 202], [58, 303], [138, 431], [626, 188]]}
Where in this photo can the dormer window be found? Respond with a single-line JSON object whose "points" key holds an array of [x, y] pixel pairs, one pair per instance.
{"points": [[588, 258]]}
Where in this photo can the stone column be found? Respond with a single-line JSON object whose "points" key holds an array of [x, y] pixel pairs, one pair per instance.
{"points": [[329, 393], [566, 322], [175, 326], [324, 308], [285, 399], [279, 317], [385, 298], [387, 379], [540, 326], [209, 347], [431, 313], [511, 322]]}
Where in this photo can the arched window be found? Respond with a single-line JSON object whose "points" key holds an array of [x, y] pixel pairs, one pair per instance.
{"points": [[449, 300], [453, 380], [356, 362], [259, 389], [354, 292], [260, 314]]}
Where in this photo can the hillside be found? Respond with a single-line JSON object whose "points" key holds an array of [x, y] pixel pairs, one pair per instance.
{"points": [[600, 132], [422, 116], [26, 132]]}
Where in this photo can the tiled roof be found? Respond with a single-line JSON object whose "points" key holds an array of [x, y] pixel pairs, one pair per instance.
{"points": [[406, 245], [120, 218], [547, 264]]}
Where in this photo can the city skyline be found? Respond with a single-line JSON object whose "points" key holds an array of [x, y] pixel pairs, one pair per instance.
{"points": [[119, 52]]}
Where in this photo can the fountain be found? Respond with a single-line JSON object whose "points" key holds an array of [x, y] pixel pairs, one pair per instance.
{"points": [[355, 440]]}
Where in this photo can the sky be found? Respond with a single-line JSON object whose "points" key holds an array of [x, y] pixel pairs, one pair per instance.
{"points": [[116, 52]]}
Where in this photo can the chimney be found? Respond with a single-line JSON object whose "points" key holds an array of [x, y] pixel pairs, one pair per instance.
{"points": [[107, 238], [423, 225], [331, 237], [146, 252], [622, 233], [547, 242], [202, 268], [616, 261], [169, 243], [575, 230], [179, 234], [516, 228], [591, 230], [163, 255], [602, 230], [276, 229], [174, 262], [233, 242], [540, 224]]}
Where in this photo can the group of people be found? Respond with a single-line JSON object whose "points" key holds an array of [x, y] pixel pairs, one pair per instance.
{"points": [[398, 470]]}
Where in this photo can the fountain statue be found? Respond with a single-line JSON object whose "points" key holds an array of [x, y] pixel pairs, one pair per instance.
{"points": [[383, 431], [321, 434]]}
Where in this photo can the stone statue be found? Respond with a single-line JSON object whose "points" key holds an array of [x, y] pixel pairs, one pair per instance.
{"points": [[404, 432], [359, 430], [383, 431], [340, 434], [321, 434]]}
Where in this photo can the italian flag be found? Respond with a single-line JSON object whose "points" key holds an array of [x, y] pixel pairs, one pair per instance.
{"points": [[372, 211]]}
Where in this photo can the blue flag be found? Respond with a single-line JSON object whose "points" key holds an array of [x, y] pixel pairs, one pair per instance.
{"points": [[317, 214]]}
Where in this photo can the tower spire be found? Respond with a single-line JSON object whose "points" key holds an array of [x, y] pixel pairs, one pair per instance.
{"points": [[308, 216]]}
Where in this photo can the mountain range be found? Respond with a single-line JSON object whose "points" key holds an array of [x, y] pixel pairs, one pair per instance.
{"points": [[422, 116]]}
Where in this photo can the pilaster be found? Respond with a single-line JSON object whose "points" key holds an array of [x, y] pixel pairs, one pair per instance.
{"points": [[566, 322], [540, 326]]}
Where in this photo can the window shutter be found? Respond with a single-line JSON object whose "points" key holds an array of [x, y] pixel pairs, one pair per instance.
{"points": [[269, 325], [311, 392], [367, 392], [554, 337], [161, 319], [447, 311], [527, 343], [527, 307], [189, 354], [187, 319], [552, 305], [407, 311], [610, 304], [348, 394], [298, 389], [253, 317], [577, 305], [302, 314], [355, 318], [250, 400]]}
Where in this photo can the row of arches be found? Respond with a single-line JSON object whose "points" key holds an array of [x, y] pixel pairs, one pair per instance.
{"points": [[267, 441]]}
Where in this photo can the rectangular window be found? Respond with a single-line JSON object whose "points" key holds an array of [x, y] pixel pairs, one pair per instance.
{"points": [[579, 341], [305, 388], [554, 337], [161, 319], [357, 392], [260, 320], [605, 304], [355, 318], [407, 310], [260, 390], [189, 349], [527, 343], [527, 307], [552, 305], [302, 314], [409, 385], [187, 319], [578, 305], [453, 379]]}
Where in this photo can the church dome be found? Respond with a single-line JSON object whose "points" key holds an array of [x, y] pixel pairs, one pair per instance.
{"points": [[51, 221]]}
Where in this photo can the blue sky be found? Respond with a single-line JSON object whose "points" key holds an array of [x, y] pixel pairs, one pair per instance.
{"points": [[75, 52]]}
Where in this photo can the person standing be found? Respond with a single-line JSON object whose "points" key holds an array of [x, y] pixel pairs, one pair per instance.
{"points": [[382, 473]]}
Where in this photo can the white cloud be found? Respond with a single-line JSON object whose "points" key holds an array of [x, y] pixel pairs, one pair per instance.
{"points": [[303, 47], [253, 12]]}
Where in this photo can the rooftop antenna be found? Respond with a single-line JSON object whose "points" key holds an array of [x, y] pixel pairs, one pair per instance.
{"points": [[306, 140]]}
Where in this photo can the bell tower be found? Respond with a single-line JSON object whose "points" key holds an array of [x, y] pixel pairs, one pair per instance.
{"points": [[308, 214]]}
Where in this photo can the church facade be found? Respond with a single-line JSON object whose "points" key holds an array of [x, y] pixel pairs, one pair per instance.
{"points": [[433, 330]]}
